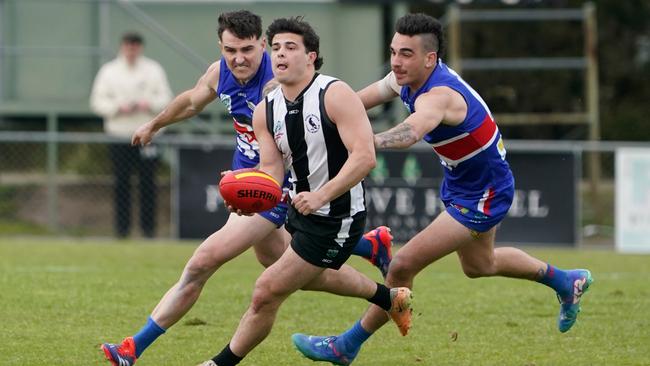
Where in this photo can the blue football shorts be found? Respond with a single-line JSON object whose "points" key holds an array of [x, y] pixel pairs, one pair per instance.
{"points": [[482, 212]]}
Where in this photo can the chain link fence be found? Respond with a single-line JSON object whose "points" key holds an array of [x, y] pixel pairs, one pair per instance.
{"points": [[67, 183], [102, 187]]}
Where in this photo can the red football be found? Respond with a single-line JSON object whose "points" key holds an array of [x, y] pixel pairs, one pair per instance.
{"points": [[250, 190]]}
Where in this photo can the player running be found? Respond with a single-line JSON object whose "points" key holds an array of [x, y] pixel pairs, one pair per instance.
{"points": [[239, 80], [477, 189]]}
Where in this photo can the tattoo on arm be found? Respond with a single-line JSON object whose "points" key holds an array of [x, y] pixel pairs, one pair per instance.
{"points": [[401, 135], [272, 84]]}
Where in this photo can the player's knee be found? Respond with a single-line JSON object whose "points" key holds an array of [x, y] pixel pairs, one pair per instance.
{"points": [[264, 297], [473, 271], [266, 259], [200, 267], [400, 271]]}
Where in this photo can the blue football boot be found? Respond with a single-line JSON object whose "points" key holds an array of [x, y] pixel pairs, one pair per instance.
{"points": [[322, 349], [580, 280]]}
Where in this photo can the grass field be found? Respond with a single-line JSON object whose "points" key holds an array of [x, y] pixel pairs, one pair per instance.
{"points": [[60, 299]]}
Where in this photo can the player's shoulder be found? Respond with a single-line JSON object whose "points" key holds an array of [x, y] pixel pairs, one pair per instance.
{"points": [[211, 76], [214, 67], [334, 88]]}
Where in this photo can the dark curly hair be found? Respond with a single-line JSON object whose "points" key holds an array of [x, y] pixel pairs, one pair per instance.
{"points": [[425, 26], [242, 23], [297, 25]]}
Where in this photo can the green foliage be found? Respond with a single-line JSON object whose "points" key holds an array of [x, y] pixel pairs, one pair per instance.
{"points": [[623, 66], [61, 299]]}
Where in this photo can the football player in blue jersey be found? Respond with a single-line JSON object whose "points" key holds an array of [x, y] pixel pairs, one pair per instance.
{"points": [[239, 80], [477, 188]]}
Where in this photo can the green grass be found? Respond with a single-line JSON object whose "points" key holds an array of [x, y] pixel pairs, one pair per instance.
{"points": [[60, 299]]}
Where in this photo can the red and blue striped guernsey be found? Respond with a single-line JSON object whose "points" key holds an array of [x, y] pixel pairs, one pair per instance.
{"points": [[478, 185]]}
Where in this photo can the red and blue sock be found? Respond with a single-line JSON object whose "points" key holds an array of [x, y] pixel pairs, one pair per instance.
{"points": [[363, 248], [556, 279]]}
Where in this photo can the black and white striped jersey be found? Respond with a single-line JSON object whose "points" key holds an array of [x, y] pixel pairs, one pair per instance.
{"points": [[311, 146]]}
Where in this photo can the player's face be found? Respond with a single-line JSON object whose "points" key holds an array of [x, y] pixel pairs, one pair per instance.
{"points": [[410, 62], [290, 59], [243, 56]]}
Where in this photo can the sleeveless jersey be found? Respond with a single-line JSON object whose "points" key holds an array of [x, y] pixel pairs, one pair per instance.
{"points": [[311, 146], [472, 153], [240, 100]]}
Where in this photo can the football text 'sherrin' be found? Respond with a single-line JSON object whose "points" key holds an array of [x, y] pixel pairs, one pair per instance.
{"points": [[254, 193]]}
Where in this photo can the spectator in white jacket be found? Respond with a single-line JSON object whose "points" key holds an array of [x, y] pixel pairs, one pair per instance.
{"points": [[128, 91]]}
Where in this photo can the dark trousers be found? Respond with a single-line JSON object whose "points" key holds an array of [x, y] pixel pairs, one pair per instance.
{"points": [[125, 160]]}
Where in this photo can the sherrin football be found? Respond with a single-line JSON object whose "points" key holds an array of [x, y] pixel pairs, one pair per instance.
{"points": [[250, 190]]}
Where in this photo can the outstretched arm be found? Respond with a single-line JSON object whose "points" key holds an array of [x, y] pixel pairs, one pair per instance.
{"points": [[379, 92], [183, 106], [430, 110]]}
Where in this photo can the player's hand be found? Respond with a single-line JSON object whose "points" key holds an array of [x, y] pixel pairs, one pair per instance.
{"points": [[307, 202], [229, 207], [236, 210], [143, 135]]}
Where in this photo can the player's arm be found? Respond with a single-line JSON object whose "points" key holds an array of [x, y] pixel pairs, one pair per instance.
{"points": [[346, 111], [379, 92], [185, 105], [430, 110], [270, 157]]}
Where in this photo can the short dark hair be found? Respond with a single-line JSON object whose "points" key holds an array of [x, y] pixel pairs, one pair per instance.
{"points": [[423, 25], [132, 37], [297, 25], [242, 23]]}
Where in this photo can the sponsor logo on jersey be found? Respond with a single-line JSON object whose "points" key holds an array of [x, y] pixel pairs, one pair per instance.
{"points": [[227, 101], [313, 123]]}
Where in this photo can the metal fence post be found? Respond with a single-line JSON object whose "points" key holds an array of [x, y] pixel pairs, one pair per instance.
{"points": [[591, 81], [52, 171]]}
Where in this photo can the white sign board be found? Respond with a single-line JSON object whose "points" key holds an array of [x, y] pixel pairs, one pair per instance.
{"points": [[633, 200]]}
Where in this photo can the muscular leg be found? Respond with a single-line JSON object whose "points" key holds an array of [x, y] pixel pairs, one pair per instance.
{"points": [[231, 240], [272, 247], [280, 280], [429, 245], [346, 281], [479, 258]]}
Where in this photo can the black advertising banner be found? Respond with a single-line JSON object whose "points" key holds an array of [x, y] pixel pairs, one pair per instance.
{"points": [[403, 193], [200, 207]]}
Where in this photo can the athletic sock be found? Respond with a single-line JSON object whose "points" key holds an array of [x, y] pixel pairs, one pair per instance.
{"points": [[556, 279], [381, 297], [363, 248], [226, 357], [353, 338], [145, 337]]}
